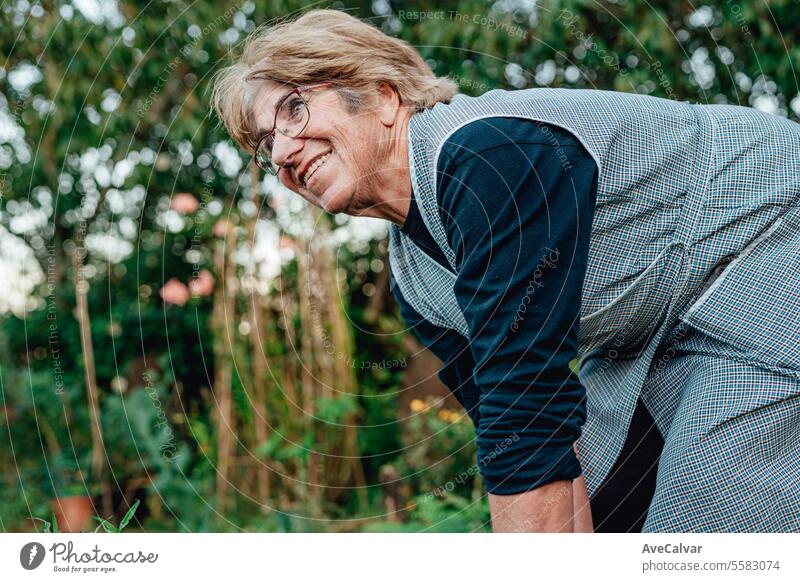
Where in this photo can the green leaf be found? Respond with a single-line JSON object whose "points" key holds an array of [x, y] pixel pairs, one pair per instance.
{"points": [[128, 516], [107, 525]]}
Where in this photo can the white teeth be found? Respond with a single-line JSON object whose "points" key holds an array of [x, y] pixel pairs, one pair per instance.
{"points": [[317, 163]]}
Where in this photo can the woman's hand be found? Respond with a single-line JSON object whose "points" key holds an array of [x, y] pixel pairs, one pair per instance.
{"points": [[546, 509], [582, 511], [558, 507]]}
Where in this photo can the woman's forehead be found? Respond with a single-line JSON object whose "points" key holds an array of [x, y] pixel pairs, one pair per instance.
{"points": [[264, 97]]}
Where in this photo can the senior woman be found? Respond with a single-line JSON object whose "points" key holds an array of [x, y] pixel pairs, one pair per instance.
{"points": [[655, 240]]}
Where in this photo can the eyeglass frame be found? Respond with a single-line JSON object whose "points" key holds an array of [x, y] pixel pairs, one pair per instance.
{"points": [[299, 91]]}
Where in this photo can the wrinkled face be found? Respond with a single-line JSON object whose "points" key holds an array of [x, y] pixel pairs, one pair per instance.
{"points": [[351, 142]]}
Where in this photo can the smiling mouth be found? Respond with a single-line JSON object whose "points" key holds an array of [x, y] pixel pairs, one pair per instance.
{"points": [[315, 165]]}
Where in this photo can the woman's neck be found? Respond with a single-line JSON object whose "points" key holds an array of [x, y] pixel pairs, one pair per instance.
{"points": [[391, 190]]}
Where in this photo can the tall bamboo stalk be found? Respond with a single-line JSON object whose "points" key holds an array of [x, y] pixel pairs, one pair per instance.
{"points": [[223, 315], [292, 391], [347, 469], [308, 383], [260, 362], [93, 400], [294, 418], [259, 398]]}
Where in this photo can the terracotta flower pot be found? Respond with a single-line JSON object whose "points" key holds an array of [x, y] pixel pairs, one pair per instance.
{"points": [[73, 513]]}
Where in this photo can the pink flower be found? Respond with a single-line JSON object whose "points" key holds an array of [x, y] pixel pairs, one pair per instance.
{"points": [[185, 203], [221, 227], [285, 242], [203, 284], [174, 292]]}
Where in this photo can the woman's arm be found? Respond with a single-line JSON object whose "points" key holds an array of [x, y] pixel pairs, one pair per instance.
{"points": [[560, 506], [580, 503], [456, 373], [517, 202], [548, 508]]}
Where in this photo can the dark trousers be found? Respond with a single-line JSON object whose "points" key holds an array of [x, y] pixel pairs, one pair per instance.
{"points": [[621, 502]]}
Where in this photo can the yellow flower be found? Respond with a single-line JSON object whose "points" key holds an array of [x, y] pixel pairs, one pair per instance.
{"points": [[444, 414], [417, 405]]}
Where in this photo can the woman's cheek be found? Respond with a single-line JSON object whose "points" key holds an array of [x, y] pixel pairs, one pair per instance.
{"points": [[285, 178]]}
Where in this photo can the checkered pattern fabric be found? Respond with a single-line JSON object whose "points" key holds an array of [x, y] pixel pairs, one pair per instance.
{"points": [[682, 189]]}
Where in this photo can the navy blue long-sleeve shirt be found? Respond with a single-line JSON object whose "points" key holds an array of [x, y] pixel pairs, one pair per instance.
{"points": [[516, 198]]}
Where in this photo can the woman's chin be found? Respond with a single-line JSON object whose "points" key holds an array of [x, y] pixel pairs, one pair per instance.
{"points": [[334, 200]]}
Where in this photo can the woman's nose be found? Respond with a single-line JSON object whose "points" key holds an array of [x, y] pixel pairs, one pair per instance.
{"points": [[284, 148]]}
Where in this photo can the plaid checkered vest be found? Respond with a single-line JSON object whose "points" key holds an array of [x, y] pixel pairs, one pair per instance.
{"points": [[677, 195]]}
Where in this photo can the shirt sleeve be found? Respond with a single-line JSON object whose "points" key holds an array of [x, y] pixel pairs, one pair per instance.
{"points": [[450, 347], [517, 201]]}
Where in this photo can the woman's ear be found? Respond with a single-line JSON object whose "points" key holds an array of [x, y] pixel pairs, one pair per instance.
{"points": [[388, 104]]}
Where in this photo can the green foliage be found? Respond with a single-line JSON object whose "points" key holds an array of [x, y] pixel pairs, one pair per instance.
{"points": [[439, 450], [336, 409], [438, 515], [49, 526], [123, 523]]}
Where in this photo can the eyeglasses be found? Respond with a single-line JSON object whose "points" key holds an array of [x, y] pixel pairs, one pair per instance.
{"points": [[291, 118]]}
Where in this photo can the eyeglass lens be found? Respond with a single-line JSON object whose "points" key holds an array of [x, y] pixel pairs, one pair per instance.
{"points": [[290, 121]]}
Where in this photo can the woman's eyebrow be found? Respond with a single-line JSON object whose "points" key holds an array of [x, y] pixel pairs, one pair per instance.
{"points": [[261, 133]]}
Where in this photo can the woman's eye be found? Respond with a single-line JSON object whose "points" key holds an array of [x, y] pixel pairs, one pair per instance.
{"points": [[295, 108]]}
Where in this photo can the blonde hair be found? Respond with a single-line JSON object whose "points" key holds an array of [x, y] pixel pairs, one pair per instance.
{"points": [[324, 45]]}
